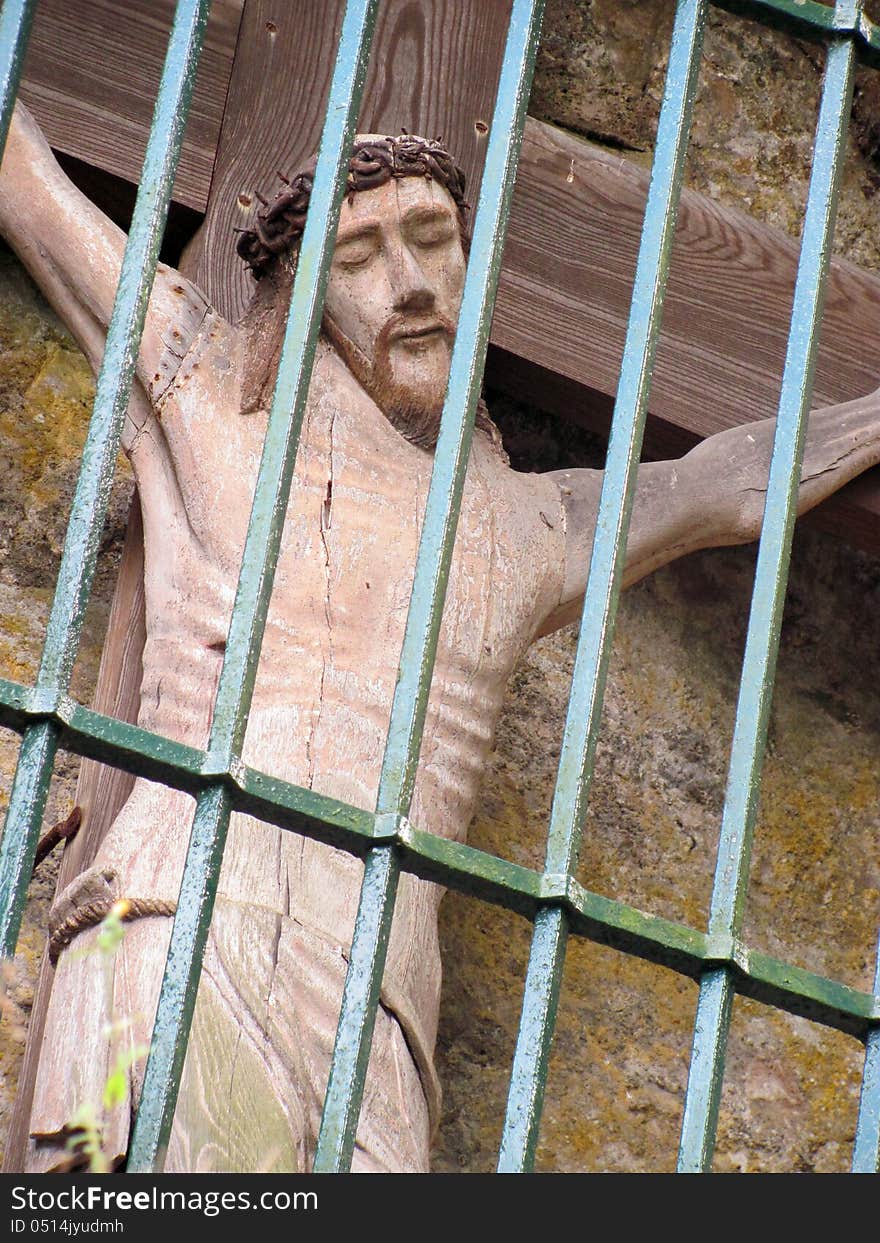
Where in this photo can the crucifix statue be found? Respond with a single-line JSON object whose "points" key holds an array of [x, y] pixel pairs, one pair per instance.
{"points": [[275, 964]]}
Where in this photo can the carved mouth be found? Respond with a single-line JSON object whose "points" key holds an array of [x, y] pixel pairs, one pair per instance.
{"points": [[418, 332]]}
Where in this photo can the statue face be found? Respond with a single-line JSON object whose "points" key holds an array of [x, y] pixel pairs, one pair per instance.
{"points": [[393, 298]]}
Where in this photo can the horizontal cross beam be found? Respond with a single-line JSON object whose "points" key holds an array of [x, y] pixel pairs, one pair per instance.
{"points": [[564, 298]]}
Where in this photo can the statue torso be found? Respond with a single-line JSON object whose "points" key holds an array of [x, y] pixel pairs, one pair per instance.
{"points": [[333, 638]]}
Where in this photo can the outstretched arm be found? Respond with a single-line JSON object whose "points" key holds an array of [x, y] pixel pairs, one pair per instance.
{"points": [[74, 253], [714, 495]]}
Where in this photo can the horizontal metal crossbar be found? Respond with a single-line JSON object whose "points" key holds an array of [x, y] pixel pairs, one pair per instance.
{"points": [[812, 19], [454, 865]]}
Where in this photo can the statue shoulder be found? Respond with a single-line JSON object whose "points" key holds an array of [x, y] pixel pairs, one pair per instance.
{"points": [[528, 524], [202, 357], [534, 498]]}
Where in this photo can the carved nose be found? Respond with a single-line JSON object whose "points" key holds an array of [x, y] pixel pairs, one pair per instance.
{"points": [[411, 289]]}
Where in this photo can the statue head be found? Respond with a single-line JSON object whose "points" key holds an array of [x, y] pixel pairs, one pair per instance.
{"points": [[397, 274]]}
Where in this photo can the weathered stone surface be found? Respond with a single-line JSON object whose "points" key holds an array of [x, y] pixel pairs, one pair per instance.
{"points": [[601, 71], [620, 1058], [46, 391]]}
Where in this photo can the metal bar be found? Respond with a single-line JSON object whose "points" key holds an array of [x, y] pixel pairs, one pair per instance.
{"points": [[382, 869], [211, 821], [706, 1072], [796, 16], [544, 973], [771, 576], [16, 17], [801, 992], [452, 864], [866, 1149], [89, 510]]}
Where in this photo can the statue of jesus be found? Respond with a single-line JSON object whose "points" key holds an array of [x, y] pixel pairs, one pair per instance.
{"points": [[274, 968]]}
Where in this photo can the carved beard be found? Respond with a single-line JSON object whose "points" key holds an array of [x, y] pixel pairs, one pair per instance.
{"points": [[413, 409]]}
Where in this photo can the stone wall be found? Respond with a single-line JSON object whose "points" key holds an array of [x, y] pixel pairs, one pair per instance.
{"points": [[620, 1058], [46, 391]]}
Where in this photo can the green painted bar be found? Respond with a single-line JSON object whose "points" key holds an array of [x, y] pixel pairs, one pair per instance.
{"points": [[354, 1033], [796, 16], [452, 864], [14, 702], [34, 770], [16, 17], [771, 576], [543, 978], [700, 1120], [410, 704], [360, 999], [866, 1149], [801, 992], [272, 490], [528, 1079], [211, 821], [30, 789], [195, 905]]}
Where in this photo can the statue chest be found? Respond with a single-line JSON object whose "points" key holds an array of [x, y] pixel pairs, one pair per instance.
{"points": [[342, 587]]}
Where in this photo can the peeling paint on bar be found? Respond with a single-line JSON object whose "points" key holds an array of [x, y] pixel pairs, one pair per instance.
{"points": [[211, 821], [771, 577], [40, 742], [544, 975], [373, 924]]}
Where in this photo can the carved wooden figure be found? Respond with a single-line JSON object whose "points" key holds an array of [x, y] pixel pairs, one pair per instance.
{"points": [[276, 958]]}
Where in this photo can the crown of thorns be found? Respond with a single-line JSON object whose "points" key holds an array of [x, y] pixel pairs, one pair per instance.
{"points": [[373, 163]]}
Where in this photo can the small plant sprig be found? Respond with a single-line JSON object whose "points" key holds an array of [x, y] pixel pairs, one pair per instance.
{"points": [[85, 1141]]}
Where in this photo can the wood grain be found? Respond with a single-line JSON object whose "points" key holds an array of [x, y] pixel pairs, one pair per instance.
{"points": [[434, 71], [91, 77], [564, 298], [569, 267], [100, 790]]}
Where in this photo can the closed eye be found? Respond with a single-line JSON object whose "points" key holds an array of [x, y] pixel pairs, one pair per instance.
{"points": [[356, 253], [434, 229], [357, 249]]}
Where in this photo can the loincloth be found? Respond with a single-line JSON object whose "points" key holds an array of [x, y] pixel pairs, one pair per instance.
{"points": [[89, 898]]}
